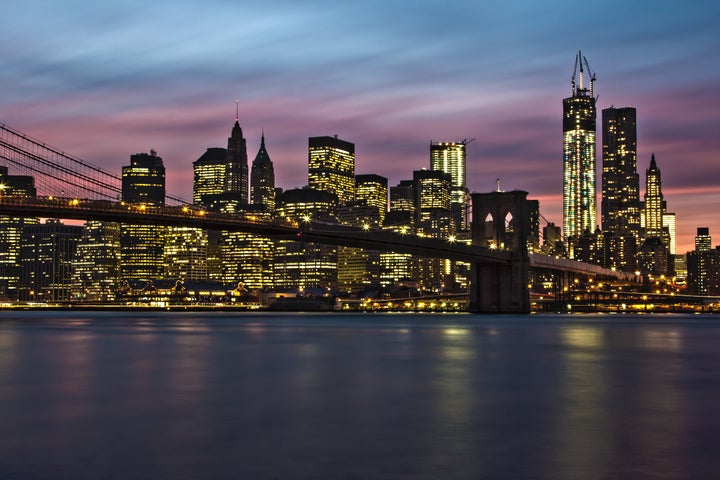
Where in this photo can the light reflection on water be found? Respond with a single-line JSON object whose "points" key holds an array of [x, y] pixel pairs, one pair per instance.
{"points": [[357, 396]]}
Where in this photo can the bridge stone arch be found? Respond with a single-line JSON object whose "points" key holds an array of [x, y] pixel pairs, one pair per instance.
{"points": [[501, 287]]}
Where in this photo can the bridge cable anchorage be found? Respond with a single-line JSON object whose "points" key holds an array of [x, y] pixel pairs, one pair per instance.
{"points": [[57, 173]]}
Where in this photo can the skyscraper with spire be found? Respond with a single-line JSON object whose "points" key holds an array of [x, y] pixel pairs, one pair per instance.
{"points": [[579, 209], [653, 201], [655, 253], [262, 179], [236, 179]]}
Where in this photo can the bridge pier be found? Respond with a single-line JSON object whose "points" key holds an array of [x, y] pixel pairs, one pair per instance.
{"points": [[498, 288], [500, 220]]}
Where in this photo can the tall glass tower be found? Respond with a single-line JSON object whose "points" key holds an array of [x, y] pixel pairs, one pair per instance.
{"points": [[449, 157], [579, 210], [620, 179], [141, 246]]}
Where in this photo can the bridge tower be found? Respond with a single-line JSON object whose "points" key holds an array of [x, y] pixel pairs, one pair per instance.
{"points": [[501, 220]]}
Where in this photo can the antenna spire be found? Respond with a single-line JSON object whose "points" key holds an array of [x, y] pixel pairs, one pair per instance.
{"points": [[237, 110]]}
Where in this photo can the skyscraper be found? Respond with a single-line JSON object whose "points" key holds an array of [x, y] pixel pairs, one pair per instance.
{"points": [[306, 265], [703, 240], [209, 174], [432, 194], [46, 255], [262, 179], [656, 244], [653, 201], [11, 229], [449, 157], [579, 211], [620, 180], [96, 267], [373, 191], [141, 246], [143, 181], [703, 265], [236, 179], [331, 167]]}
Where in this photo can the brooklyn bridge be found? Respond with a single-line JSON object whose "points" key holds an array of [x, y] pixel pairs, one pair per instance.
{"points": [[70, 188]]}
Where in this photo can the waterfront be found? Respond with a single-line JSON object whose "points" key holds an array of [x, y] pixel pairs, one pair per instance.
{"points": [[86, 395]]}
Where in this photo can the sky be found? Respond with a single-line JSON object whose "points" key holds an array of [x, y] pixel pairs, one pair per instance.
{"points": [[104, 80]]}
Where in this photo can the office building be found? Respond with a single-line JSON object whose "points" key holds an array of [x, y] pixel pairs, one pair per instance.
{"points": [[96, 267], [142, 246], [331, 167], [432, 194], [143, 181], [359, 268], [653, 205], [300, 265], [185, 254], [262, 179], [703, 265], [579, 210], [402, 199], [236, 178], [620, 180], [450, 157], [372, 190], [209, 176], [46, 254], [11, 229]]}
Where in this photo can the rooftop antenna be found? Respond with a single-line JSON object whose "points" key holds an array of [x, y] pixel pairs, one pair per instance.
{"points": [[237, 110], [583, 63]]}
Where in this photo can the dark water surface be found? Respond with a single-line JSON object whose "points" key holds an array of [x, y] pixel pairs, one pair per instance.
{"points": [[284, 396]]}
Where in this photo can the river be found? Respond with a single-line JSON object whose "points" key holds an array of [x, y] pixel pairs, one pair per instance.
{"points": [[128, 395]]}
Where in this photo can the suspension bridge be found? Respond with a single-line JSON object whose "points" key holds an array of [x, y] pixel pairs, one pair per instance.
{"points": [[70, 188]]}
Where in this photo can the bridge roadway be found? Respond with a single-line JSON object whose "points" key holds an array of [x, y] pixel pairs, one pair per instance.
{"points": [[311, 232]]}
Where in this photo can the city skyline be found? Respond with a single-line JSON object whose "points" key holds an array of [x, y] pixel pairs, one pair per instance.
{"points": [[105, 82]]}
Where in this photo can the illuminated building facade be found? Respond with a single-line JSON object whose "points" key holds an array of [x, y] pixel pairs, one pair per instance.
{"points": [[331, 167], [236, 178], [450, 157], [396, 267], [301, 265], [143, 181], [358, 268], [402, 198], [46, 254], [653, 201], [703, 265], [620, 180], [432, 194], [185, 254], [579, 210], [11, 230], [262, 179], [247, 258], [96, 267], [670, 224], [372, 190], [433, 218], [703, 240], [142, 246], [209, 175]]}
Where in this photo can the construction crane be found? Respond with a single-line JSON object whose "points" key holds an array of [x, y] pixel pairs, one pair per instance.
{"points": [[580, 59]]}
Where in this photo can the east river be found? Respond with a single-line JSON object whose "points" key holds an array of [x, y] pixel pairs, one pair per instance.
{"points": [[128, 395]]}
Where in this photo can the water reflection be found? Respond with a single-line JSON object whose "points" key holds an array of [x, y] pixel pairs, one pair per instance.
{"points": [[224, 396]]}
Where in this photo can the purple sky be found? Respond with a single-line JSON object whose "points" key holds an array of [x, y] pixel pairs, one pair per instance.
{"points": [[104, 80]]}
